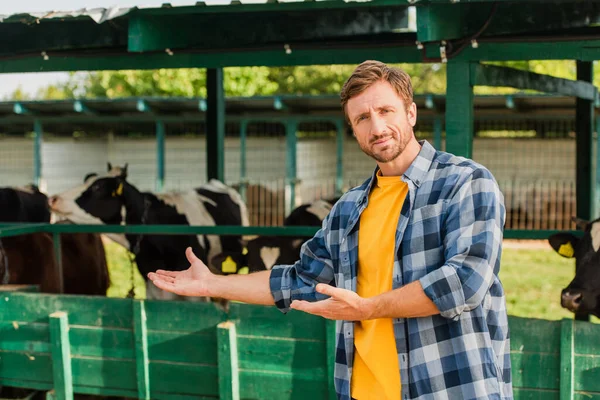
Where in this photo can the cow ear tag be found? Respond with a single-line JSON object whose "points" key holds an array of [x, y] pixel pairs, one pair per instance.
{"points": [[566, 250], [243, 271], [120, 189], [244, 251], [229, 266]]}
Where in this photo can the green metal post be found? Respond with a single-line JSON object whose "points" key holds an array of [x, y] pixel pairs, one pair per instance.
{"points": [[567, 360], [243, 180], [229, 380], [141, 349], [59, 266], [437, 132], [584, 117], [61, 356], [160, 155], [37, 151], [215, 125], [291, 164], [459, 109], [339, 171]]}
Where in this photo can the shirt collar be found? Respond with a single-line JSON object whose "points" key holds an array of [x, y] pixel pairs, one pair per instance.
{"points": [[416, 172]]}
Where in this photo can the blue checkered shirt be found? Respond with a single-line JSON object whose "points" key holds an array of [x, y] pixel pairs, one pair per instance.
{"points": [[449, 237]]}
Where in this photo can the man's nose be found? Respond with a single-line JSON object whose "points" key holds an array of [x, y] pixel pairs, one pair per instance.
{"points": [[378, 125]]}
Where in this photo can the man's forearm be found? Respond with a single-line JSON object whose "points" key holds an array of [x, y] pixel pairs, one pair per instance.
{"points": [[406, 302], [252, 288]]}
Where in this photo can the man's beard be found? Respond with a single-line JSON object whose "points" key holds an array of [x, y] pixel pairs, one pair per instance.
{"points": [[390, 154]]}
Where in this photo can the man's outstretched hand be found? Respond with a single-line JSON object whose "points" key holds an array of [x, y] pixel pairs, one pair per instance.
{"points": [[341, 305], [194, 281]]}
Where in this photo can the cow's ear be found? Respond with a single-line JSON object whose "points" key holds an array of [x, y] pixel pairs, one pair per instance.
{"points": [[124, 171], [226, 264], [581, 224], [108, 167], [564, 244]]}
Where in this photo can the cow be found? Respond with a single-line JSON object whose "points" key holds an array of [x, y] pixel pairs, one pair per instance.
{"points": [[582, 294], [111, 199], [30, 259], [263, 252]]}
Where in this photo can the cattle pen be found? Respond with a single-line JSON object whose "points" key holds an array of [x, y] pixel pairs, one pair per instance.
{"points": [[66, 345]]}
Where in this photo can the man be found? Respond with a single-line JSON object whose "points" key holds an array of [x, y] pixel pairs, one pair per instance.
{"points": [[407, 263]]}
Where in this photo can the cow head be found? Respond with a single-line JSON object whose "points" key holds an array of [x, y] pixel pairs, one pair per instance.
{"points": [[582, 295], [98, 200]]}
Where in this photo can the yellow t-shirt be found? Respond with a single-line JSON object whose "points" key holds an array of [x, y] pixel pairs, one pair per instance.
{"points": [[376, 373]]}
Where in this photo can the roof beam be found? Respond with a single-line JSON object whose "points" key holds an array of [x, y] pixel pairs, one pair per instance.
{"points": [[491, 75], [237, 31], [477, 20], [271, 58]]}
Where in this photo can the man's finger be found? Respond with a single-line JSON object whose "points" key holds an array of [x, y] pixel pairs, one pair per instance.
{"points": [[163, 272], [315, 308], [331, 291], [166, 278]]}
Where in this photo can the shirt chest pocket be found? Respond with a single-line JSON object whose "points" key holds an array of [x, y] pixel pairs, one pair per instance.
{"points": [[423, 240]]}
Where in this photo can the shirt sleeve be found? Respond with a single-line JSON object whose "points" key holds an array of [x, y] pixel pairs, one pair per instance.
{"points": [[472, 247], [298, 281]]}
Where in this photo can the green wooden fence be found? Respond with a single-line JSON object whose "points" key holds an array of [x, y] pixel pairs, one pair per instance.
{"points": [[182, 350]]}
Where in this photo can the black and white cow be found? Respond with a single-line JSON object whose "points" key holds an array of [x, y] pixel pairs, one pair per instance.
{"points": [[263, 252], [582, 295], [110, 199]]}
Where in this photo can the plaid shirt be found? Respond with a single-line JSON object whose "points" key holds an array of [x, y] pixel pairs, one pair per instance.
{"points": [[449, 237]]}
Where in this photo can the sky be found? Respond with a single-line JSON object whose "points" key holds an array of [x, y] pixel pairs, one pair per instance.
{"points": [[32, 81]]}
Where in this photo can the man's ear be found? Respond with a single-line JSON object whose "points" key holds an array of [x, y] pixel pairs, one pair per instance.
{"points": [[564, 244]]}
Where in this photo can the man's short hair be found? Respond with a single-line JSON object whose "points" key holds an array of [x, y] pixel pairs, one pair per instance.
{"points": [[370, 72]]}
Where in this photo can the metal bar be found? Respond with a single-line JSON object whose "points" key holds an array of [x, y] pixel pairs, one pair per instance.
{"points": [[229, 379], [437, 132], [291, 142], [37, 151], [6, 230], [160, 155], [243, 180], [215, 125], [141, 349], [390, 53], [59, 265], [339, 170], [459, 109], [61, 356], [567, 359], [492, 75]]}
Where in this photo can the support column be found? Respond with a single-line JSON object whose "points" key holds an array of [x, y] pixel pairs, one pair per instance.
{"points": [[215, 125], [37, 151], [160, 156], [459, 109], [243, 172], [584, 123], [290, 165]]}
